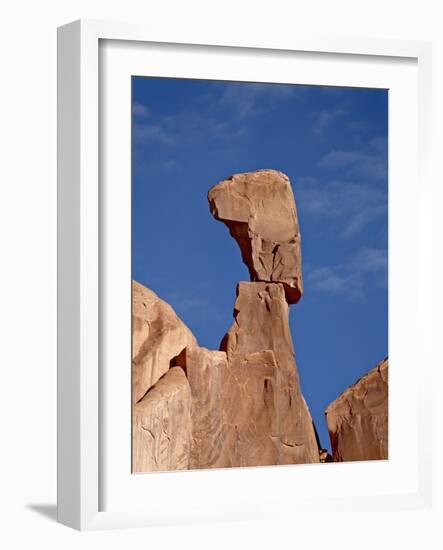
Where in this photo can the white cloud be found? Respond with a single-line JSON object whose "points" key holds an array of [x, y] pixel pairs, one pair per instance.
{"points": [[355, 163], [248, 100], [350, 280], [360, 219], [322, 120], [335, 281], [188, 126], [371, 163], [352, 206], [242, 99], [223, 117], [140, 111], [326, 279], [373, 262], [152, 132]]}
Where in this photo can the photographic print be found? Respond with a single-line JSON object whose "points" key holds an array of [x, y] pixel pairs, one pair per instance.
{"points": [[259, 274]]}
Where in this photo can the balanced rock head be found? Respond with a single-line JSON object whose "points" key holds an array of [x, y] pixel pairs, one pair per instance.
{"points": [[259, 210]]}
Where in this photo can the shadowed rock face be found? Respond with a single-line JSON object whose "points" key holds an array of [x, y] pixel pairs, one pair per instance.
{"points": [[259, 210], [358, 419]]}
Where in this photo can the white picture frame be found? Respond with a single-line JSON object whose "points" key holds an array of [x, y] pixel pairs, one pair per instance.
{"points": [[82, 440]]}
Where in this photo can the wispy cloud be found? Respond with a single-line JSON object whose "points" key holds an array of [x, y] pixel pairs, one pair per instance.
{"points": [[322, 120], [223, 115], [351, 193], [357, 163], [140, 111], [186, 127], [325, 279], [370, 261], [249, 100], [369, 163], [144, 132], [361, 219], [368, 266], [351, 206]]}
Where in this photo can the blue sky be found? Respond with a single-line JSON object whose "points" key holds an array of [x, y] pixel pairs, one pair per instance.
{"points": [[332, 143]]}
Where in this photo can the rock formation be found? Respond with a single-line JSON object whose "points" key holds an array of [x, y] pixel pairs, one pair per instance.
{"points": [[251, 400], [158, 336], [325, 456], [235, 423], [242, 405], [261, 323], [161, 425], [259, 210], [206, 371], [358, 419]]}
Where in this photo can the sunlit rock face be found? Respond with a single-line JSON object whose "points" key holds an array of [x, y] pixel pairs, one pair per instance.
{"points": [[161, 425], [241, 405], [158, 335], [262, 324], [234, 408], [259, 210], [358, 419], [206, 371]]}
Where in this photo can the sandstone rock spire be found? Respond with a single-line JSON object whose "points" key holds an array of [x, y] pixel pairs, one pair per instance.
{"points": [[259, 210]]}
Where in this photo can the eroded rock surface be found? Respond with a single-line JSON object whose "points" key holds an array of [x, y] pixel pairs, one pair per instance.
{"points": [[242, 405], [262, 324], [161, 425], [259, 210], [234, 408], [325, 456], [358, 419], [251, 403], [158, 336], [206, 371]]}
